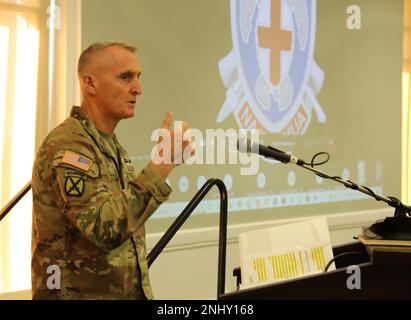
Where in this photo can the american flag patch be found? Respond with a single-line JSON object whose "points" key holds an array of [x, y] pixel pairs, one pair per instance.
{"points": [[77, 160]]}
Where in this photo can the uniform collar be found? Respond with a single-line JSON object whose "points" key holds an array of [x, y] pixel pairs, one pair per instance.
{"points": [[93, 132]]}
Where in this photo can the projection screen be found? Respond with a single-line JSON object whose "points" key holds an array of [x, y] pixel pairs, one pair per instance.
{"points": [[312, 76]]}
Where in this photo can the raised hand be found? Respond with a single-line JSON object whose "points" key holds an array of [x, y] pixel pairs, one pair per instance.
{"points": [[173, 147]]}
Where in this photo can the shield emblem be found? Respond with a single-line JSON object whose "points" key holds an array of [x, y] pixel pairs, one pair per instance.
{"points": [[74, 186], [275, 80]]}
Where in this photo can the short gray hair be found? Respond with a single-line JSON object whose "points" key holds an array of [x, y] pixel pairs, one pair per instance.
{"points": [[98, 47]]}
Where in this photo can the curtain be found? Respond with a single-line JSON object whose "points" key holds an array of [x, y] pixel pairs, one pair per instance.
{"points": [[19, 57], [39, 46]]}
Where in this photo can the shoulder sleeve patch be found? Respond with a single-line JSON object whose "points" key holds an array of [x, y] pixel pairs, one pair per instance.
{"points": [[77, 160]]}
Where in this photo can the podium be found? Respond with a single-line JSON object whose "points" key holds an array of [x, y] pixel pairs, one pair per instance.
{"points": [[385, 274]]}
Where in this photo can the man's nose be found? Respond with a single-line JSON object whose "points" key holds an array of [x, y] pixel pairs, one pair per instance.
{"points": [[136, 88]]}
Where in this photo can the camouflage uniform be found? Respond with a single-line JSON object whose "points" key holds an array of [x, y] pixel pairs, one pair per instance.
{"points": [[89, 209]]}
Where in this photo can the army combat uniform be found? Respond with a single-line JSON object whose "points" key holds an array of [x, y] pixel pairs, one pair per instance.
{"points": [[89, 209]]}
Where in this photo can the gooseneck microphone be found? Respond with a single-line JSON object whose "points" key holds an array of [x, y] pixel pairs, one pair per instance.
{"points": [[245, 145], [394, 228]]}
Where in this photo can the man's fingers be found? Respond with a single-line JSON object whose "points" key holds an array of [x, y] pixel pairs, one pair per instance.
{"points": [[167, 120]]}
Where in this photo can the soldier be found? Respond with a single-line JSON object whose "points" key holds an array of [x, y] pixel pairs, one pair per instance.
{"points": [[89, 205]]}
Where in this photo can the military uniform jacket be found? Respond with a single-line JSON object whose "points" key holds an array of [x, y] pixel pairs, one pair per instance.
{"points": [[89, 209]]}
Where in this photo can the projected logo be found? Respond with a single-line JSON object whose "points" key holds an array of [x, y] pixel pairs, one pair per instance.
{"points": [[271, 77]]}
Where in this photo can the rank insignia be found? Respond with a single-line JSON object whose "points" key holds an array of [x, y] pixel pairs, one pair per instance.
{"points": [[74, 186]]}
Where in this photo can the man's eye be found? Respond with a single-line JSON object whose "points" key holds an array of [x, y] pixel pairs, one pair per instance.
{"points": [[129, 76]]}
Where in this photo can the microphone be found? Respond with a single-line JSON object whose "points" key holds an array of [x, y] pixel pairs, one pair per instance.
{"points": [[245, 145]]}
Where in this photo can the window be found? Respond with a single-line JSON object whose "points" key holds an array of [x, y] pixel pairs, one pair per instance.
{"points": [[39, 48], [19, 66]]}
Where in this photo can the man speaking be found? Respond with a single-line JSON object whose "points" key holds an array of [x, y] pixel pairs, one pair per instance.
{"points": [[89, 205]]}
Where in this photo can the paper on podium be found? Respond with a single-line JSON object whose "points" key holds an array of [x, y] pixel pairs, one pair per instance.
{"points": [[284, 252]]}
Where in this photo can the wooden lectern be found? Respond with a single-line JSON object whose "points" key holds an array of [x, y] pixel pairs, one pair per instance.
{"points": [[385, 274]]}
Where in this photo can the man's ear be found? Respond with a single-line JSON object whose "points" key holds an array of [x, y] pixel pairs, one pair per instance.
{"points": [[89, 84]]}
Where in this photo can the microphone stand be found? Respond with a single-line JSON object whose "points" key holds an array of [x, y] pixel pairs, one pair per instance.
{"points": [[393, 202], [395, 228]]}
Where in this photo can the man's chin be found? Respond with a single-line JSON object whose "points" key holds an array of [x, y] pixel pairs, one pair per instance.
{"points": [[129, 113]]}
